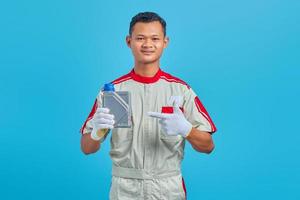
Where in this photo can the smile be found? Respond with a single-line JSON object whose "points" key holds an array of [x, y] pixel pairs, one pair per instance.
{"points": [[147, 52]]}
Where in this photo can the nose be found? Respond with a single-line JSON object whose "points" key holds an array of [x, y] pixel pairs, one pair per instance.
{"points": [[147, 44]]}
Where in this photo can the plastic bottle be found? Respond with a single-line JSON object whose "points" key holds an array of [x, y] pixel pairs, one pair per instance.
{"points": [[118, 102], [108, 88]]}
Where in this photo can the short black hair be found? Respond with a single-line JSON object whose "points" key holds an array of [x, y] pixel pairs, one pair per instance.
{"points": [[147, 17]]}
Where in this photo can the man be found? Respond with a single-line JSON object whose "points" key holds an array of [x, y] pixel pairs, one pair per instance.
{"points": [[165, 113]]}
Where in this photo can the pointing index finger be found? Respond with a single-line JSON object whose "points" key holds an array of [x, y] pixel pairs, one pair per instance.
{"points": [[158, 115]]}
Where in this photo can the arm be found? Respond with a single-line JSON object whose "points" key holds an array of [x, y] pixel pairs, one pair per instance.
{"points": [[177, 124], [101, 122], [201, 141], [88, 145]]}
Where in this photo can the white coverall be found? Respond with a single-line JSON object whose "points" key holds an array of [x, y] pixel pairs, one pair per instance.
{"points": [[146, 161]]}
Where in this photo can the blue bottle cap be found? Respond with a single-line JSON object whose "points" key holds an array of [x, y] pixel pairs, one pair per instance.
{"points": [[109, 87]]}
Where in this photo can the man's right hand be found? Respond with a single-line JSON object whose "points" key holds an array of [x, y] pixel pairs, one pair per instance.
{"points": [[101, 121]]}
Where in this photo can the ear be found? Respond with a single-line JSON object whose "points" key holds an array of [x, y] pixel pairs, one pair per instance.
{"points": [[128, 41], [166, 41]]}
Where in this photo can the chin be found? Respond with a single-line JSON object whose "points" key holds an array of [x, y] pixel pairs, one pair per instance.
{"points": [[147, 61]]}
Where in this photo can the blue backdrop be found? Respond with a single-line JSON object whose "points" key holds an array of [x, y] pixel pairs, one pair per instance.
{"points": [[241, 57]]}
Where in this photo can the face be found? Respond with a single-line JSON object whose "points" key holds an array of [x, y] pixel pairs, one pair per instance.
{"points": [[147, 42]]}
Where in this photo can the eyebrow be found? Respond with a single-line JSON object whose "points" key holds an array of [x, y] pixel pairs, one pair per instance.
{"points": [[145, 35]]}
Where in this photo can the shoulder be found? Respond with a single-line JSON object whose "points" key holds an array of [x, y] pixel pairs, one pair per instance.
{"points": [[173, 79], [122, 79]]}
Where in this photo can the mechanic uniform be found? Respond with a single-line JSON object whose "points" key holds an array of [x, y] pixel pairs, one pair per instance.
{"points": [[146, 161]]}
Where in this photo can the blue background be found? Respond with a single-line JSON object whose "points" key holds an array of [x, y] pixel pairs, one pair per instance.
{"points": [[241, 57]]}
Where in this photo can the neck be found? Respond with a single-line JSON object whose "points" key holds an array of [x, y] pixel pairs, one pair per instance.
{"points": [[146, 70]]}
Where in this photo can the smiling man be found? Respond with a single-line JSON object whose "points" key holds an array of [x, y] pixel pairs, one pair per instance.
{"points": [[166, 113]]}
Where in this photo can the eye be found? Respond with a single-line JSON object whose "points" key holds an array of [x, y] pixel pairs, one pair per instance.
{"points": [[139, 38], [155, 39]]}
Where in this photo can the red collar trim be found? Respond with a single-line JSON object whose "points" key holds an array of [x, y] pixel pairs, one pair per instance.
{"points": [[143, 79]]}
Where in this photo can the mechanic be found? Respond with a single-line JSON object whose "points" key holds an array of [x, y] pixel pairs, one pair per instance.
{"points": [[166, 112]]}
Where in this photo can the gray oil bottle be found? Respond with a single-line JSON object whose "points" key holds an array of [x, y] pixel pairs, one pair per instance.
{"points": [[119, 104]]}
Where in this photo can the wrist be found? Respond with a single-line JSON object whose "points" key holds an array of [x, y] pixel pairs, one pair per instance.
{"points": [[99, 134], [188, 134], [94, 135], [187, 130]]}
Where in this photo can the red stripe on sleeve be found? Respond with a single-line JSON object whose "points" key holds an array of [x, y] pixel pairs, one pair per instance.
{"points": [[184, 188], [203, 111], [95, 106]]}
